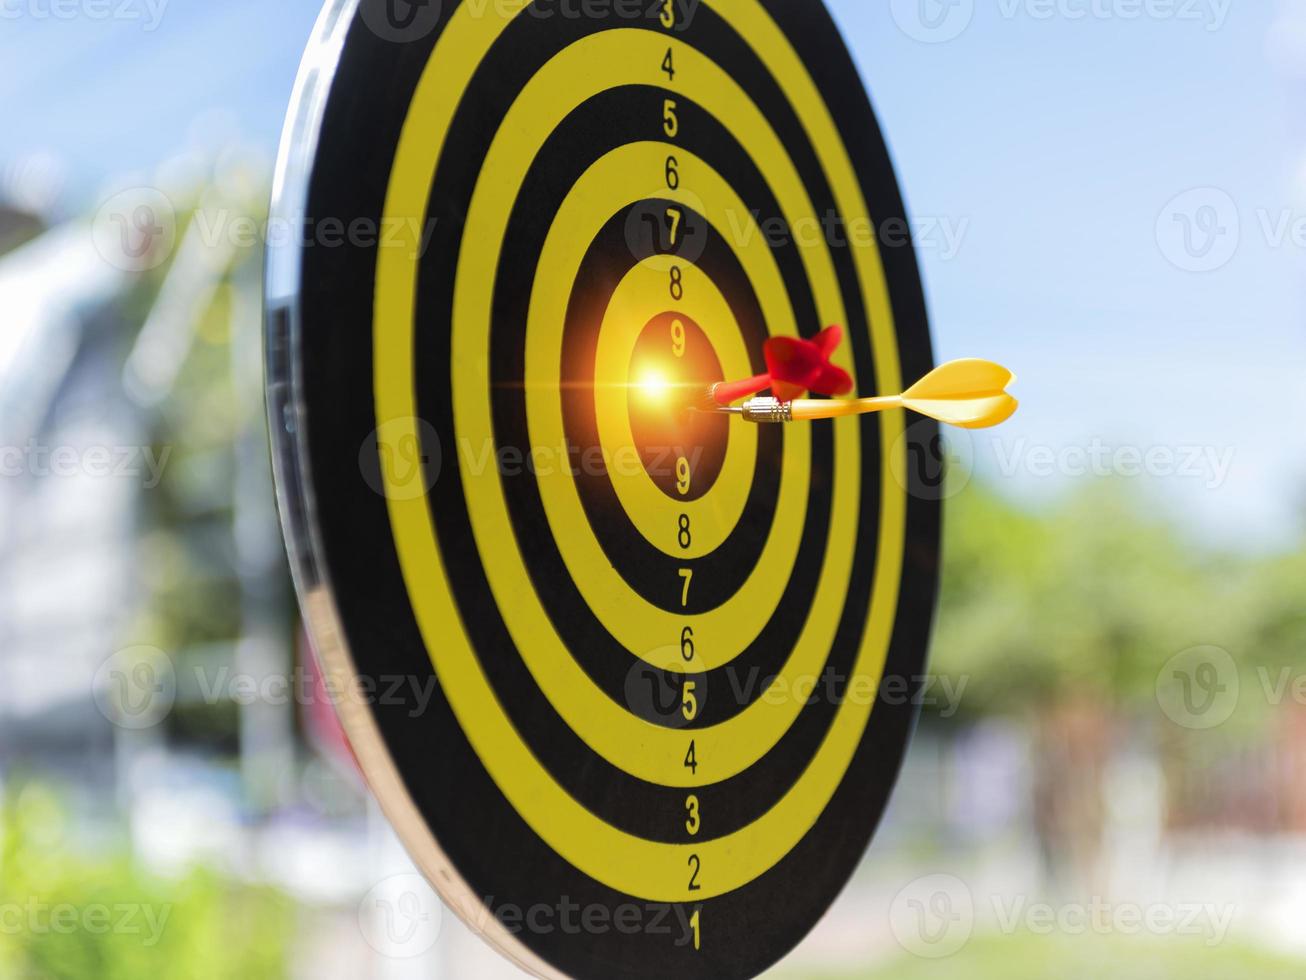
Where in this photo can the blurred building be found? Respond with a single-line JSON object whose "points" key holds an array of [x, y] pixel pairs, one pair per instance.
{"points": [[66, 536]]}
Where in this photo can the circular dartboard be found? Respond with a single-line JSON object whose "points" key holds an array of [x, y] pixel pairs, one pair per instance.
{"points": [[618, 665]]}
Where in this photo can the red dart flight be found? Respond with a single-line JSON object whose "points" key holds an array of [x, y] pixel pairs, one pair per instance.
{"points": [[794, 367]]}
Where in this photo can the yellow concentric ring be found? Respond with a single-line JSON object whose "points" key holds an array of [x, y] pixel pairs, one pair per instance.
{"points": [[651, 752], [636, 867], [629, 617]]}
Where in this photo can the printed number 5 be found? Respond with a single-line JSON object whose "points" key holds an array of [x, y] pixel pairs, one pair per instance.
{"points": [[689, 703], [670, 124]]}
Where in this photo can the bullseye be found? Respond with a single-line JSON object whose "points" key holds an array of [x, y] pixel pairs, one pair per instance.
{"points": [[682, 451]]}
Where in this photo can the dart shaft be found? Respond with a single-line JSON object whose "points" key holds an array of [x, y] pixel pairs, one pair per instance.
{"points": [[803, 410], [768, 410]]}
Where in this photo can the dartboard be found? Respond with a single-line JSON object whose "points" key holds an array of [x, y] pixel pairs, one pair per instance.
{"points": [[655, 736]]}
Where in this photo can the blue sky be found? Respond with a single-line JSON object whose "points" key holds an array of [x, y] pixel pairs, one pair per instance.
{"points": [[1061, 141], [1049, 144]]}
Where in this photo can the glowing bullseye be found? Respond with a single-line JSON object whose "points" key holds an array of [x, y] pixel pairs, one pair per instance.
{"points": [[654, 387]]}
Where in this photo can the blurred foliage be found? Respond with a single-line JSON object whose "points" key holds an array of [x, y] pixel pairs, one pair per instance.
{"points": [[189, 570], [65, 915], [1087, 957], [1088, 599]]}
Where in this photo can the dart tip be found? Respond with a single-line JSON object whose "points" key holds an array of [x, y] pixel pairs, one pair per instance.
{"points": [[704, 400]]}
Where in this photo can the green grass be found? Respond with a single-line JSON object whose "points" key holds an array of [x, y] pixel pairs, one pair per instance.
{"points": [[69, 915], [1026, 957]]}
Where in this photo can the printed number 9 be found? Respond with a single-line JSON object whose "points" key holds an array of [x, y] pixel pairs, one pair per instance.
{"points": [[679, 339]]}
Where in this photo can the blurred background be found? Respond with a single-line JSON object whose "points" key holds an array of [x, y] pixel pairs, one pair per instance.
{"points": [[1110, 772]]}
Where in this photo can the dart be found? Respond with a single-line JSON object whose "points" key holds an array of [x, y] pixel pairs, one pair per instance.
{"points": [[969, 393]]}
